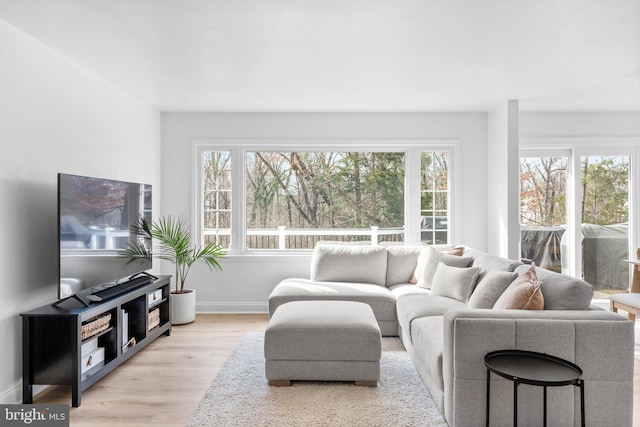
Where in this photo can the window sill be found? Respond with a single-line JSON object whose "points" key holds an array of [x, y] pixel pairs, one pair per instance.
{"points": [[298, 255]]}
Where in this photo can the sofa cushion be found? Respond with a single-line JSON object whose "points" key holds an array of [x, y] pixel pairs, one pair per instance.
{"points": [[412, 307], [490, 287], [379, 298], [432, 257], [428, 344], [353, 264], [454, 282], [408, 289], [562, 292], [521, 296], [401, 263]]}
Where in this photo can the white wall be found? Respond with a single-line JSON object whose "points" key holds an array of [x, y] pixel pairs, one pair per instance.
{"points": [[574, 125], [246, 282], [503, 181], [55, 116]]}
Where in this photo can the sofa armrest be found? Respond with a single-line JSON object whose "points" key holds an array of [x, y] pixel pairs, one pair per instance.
{"points": [[600, 342]]}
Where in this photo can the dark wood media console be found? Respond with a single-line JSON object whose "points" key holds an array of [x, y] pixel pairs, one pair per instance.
{"points": [[62, 345]]}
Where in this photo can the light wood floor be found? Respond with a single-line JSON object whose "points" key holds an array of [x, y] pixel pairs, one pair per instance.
{"points": [[162, 385]]}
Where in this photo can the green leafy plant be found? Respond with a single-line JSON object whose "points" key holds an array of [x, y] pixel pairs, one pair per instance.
{"points": [[174, 238]]}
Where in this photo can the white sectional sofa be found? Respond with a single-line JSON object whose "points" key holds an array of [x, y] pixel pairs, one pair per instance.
{"points": [[449, 307]]}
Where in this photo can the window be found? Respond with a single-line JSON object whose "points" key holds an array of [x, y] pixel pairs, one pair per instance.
{"points": [[543, 190], [216, 197], [324, 195], [575, 213], [292, 198], [543, 213], [434, 198], [604, 213]]}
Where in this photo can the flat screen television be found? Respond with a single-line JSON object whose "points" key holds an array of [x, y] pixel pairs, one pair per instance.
{"points": [[94, 220]]}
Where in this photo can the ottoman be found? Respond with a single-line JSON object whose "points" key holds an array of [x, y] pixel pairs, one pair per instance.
{"points": [[323, 341]]}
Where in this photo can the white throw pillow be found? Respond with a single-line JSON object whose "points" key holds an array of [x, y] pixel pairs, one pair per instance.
{"points": [[454, 282], [432, 257]]}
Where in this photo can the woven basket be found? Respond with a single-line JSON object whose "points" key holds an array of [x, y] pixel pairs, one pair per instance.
{"points": [[154, 318], [95, 325]]}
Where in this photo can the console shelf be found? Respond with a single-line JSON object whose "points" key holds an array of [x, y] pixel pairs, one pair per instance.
{"points": [[55, 353]]}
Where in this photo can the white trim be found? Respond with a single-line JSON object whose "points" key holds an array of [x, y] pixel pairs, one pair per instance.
{"points": [[412, 186], [311, 144], [454, 195], [574, 215], [236, 307], [196, 182], [545, 152], [12, 395], [571, 142], [238, 180], [302, 255]]}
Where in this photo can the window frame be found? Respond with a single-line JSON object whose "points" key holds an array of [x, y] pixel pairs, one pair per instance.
{"points": [[412, 148]]}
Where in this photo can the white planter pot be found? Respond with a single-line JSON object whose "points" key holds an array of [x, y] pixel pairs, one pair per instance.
{"points": [[183, 307]]}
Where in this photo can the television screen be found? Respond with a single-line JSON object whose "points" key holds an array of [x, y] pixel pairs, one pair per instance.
{"points": [[94, 220]]}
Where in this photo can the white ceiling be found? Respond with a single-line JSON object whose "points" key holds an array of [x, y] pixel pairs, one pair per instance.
{"points": [[350, 55]]}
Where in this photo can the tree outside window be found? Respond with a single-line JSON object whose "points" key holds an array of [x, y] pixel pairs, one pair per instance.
{"points": [[298, 192]]}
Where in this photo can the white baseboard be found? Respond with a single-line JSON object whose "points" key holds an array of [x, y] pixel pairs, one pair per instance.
{"points": [[232, 307], [14, 394], [11, 396]]}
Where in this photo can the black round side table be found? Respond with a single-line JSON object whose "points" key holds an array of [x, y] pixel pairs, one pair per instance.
{"points": [[529, 367]]}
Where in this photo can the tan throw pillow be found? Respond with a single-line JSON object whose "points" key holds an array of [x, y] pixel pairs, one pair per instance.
{"points": [[521, 296], [531, 272], [456, 251], [526, 277]]}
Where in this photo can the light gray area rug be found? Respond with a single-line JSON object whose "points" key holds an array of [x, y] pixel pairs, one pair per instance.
{"points": [[241, 396]]}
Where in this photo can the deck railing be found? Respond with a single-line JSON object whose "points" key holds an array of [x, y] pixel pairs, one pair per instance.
{"points": [[282, 237]]}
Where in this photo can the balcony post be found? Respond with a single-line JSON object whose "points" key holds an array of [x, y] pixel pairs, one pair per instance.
{"points": [[374, 235], [281, 237]]}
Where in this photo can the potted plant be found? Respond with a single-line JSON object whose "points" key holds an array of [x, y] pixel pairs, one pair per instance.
{"points": [[174, 245]]}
